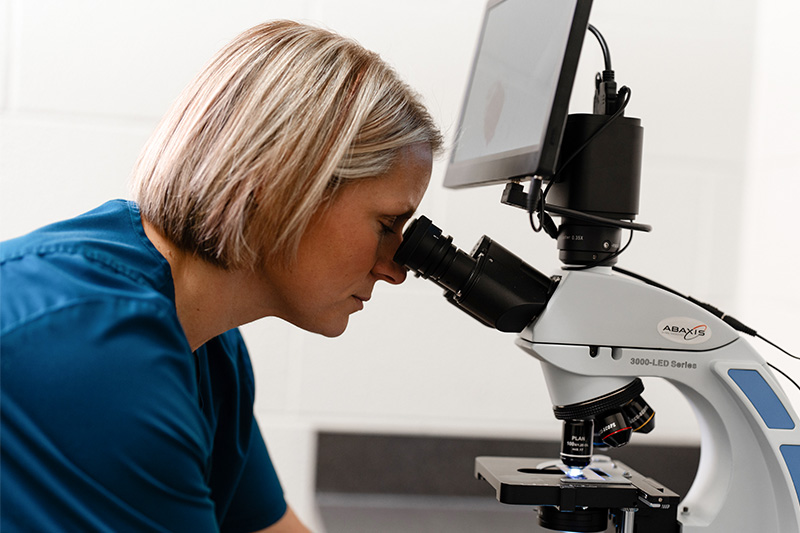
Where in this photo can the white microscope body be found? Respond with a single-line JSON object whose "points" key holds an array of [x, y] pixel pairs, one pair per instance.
{"points": [[600, 329], [597, 331]]}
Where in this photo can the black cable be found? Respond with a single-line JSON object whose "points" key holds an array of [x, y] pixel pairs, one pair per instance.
{"points": [[784, 374], [603, 45], [580, 215], [537, 202], [731, 321], [534, 227], [776, 346], [536, 197], [626, 93]]}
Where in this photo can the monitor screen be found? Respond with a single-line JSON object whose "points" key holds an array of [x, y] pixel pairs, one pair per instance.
{"points": [[518, 94]]}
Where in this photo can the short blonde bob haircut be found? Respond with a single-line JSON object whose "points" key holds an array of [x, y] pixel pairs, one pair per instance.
{"points": [[264, 135]]}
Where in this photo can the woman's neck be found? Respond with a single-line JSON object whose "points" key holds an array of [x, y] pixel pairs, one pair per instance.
{"points": [[209, 300]]}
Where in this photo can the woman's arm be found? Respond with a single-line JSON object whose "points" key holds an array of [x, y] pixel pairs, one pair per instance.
{"points": [[289, 523]]}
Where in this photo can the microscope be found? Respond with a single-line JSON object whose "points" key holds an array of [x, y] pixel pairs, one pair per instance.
{"points": [[598, 329]]}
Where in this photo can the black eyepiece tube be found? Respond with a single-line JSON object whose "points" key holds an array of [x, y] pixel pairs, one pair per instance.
{"points": [[492, 285]]}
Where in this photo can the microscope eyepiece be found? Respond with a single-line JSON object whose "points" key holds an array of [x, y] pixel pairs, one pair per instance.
{"points": [[492, 285]]}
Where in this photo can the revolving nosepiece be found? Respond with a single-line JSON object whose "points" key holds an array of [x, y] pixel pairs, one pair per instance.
{"points": [[613, 417]]}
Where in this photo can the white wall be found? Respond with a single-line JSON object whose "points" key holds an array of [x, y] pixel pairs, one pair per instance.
{"points": [[83, 82]]}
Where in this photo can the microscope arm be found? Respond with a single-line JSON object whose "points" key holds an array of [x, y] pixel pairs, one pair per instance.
{"points": [[600, 330]]}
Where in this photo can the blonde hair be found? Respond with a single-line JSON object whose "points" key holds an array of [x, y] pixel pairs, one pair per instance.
{"points": [[264, 135]]}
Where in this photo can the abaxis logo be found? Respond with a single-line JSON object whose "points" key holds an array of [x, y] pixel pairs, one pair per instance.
{"points": [[684, 330]]}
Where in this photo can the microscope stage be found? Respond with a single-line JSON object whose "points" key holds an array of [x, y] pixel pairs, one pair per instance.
{"points": [[545, 482]]}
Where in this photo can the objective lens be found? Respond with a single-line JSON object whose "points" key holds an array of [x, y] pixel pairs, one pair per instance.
{"points": [[613, 429], [576, 443], [640, 414]]}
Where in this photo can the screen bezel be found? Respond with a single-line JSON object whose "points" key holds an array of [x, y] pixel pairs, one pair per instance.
{"points": [[525, 162]]}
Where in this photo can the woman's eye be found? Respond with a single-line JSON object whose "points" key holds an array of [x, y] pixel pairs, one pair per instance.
{"points": [[388, 227]]}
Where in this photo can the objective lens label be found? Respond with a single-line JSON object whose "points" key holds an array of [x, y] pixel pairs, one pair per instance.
{"points": [[683, 330]]}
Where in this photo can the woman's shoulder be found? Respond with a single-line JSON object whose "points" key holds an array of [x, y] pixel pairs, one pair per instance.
{"points": [[96, 257]]}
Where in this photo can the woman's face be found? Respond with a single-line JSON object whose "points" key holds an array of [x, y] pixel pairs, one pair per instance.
{"points": [[349, 246]]}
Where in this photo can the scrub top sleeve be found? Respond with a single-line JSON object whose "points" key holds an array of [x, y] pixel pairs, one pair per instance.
{"points": [[258, 501], [101, 424]]}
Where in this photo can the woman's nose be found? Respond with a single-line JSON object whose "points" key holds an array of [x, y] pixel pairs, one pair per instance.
{"points": [[387, 270], [385, 267]]}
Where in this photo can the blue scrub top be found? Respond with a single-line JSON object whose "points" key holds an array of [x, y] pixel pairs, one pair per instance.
{"points": [[109, 421]]}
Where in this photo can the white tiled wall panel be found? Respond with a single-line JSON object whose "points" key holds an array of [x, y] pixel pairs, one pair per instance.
{"points": [[51, 168], [127, 58]]}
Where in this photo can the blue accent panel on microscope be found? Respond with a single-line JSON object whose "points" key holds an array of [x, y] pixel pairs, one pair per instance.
{"points": [[763, 398], [791, 454]]}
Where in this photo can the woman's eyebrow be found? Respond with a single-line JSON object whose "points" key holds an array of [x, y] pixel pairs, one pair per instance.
{"points": [[408, 214]]}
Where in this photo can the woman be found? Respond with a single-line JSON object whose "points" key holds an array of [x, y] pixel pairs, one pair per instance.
{"points": [[277, 185]]}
